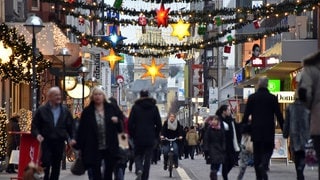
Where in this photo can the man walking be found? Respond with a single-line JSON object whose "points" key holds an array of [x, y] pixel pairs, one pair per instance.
{"points": [[262, 106], [52, 125], [309, 93], [144, 127]]}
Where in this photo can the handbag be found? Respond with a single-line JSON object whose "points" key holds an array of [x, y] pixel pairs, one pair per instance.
{"points": [[310, 154], [77, 168], [14, 157], [123, 140], [247, 143]]}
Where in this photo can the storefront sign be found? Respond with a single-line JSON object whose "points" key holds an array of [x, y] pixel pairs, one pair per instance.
{"points": [[258, 62], [272, 60], [285, 96], [274, 85]]}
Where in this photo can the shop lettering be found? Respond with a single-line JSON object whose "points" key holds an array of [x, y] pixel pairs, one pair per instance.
{"points": [[257, 61], [285, 96]]}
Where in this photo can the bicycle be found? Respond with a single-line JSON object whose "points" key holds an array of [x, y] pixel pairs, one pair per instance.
{"points": [[170, 161]]}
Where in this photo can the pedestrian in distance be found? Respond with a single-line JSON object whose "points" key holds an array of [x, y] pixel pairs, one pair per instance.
{"points": [[13, 139], [97, 135], [144, 129], [232, 146], [263, 107], [52, 125], [192, 138], [309, 93], [214, 145], [296, 126]]}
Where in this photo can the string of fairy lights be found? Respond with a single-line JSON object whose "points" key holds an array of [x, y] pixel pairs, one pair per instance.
{"points": [[235, 18]]}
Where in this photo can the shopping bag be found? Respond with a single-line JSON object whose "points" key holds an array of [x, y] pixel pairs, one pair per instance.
{"points": [[123, 140], [310, 154], [77, 168], [247, 143], [14, 157]]}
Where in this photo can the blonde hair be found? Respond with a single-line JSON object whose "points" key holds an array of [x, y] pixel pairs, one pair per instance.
{"points": [[100, 90]]}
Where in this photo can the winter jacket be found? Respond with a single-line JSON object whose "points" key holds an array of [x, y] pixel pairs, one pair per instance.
{"points": [[144, 122], [296, 125], [263, 106], [214, 145], [309, 90], [168, 133]]}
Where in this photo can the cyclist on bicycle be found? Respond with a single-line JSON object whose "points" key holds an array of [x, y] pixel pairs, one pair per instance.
{"points": [[171, 129]]}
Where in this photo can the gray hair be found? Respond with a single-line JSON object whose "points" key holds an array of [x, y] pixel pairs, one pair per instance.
{"points": [[263, 82], [98, 89]]}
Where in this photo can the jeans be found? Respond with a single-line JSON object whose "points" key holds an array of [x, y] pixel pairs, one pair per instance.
{"points": [[143, 160], [166, 149]]}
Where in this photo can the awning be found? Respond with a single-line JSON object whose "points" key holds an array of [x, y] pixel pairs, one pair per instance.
{"points": [[273, 51]]}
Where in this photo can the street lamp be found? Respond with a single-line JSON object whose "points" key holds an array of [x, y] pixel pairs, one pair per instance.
{"points": [[34, 25], [83, 71], [64, 53]]}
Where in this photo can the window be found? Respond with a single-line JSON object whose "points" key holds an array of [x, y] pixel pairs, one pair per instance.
{"points": [[35, 6]]}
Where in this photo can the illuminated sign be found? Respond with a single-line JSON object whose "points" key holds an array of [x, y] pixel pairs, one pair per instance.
{"points": [[285, 96], [274, 85], [258, 62]]}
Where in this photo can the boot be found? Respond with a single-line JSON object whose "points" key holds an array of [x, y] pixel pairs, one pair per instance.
{"points": [[213, 175]]}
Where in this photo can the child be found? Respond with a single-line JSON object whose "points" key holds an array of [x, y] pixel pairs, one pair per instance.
{"points": [[214, 145]]}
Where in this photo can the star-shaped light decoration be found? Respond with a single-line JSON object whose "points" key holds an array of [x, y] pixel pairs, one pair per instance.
{"points": [[180, 29], [162, 16], [113, 38], [112, 58], [153, 70]]}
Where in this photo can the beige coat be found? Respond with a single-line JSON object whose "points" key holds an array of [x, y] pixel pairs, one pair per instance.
{"points": [[192, 137], [309, 90]]}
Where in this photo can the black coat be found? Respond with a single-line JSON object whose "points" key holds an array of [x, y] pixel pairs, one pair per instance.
{"points": [[87, 137], [171, 133], [144, 122], [43, 124], [263, 106], [214, 145]]}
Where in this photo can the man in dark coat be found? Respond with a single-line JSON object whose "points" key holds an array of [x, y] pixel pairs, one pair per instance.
{"points": [[262, 106], [52, 125], [144, 128]]}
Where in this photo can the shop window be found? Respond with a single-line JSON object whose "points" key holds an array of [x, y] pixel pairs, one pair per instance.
{"points": [[35, 6]]}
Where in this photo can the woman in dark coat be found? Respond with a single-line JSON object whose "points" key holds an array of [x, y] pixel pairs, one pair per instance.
{"points": [[232, 146], [13, 140], [97, 136], [214, 145]]}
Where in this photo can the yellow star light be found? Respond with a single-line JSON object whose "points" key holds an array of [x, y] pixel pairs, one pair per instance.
{"points": [[112, 58], [153, 70], [180, 29]]}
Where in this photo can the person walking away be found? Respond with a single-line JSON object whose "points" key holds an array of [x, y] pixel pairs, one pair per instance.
{"points": [[296, 125], [52, 125], [97, 135], [171, 129], [214, 145], [246, 153], [185, 143], [13, 140], [309, 93], [263, 107], [144, 129], [232, 146], [192, 138]]}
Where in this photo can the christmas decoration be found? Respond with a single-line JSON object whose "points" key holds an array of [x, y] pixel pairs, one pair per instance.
{"points": [[25, 120], [81, 21], [202, 29], [17, 69], [153, 70], [71, 1], [3, 134], [227, 49], [84, 42], [180, 29], [142, 21], [256, 24], [229, 38], [217, 21], [112, 58], [113, 38], [117, 4], [162, 16]]}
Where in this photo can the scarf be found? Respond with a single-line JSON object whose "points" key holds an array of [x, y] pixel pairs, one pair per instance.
{"points": [[172, 125], [216, 126]]}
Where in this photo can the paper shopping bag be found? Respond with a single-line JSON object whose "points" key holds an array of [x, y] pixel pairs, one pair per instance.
{"points": [[14, 157]]}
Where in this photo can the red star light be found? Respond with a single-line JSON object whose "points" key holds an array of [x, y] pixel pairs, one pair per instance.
{"points": [[162, 16]]}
